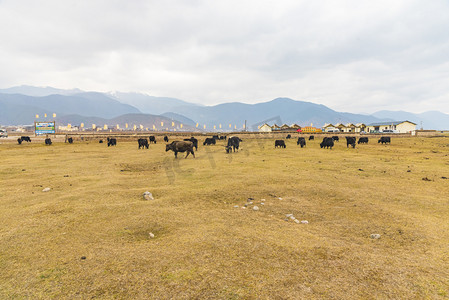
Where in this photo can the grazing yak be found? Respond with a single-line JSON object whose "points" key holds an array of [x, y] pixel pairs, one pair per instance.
{"points": [[70, 140], [350, 140], [233, 143], [48, 141], [327, 142], [363, 140], [335, 138], [152, 139], [100, 141], [301, 141], [384, 140], [166, 139], [289, 136], [194, 142], [223, 137], [19, 140], [180, 146], [209, 141], [311, 138], [25, 139], [279, 143], [143, 143], [112, 142]]}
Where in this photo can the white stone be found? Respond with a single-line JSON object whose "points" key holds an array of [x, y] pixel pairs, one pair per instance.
{"points": [[288, 215], [236, 206], [296, 221], [280, 198], [375, 236], [256, 207], [148, 196], [46, 190], [151, 235], [304, 222], [292, 217]]}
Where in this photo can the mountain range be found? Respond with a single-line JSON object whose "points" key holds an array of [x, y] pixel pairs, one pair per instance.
{"points": [[19, 105]]}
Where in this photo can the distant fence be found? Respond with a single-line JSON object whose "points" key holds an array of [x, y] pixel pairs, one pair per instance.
{"points": [[432, 133]]}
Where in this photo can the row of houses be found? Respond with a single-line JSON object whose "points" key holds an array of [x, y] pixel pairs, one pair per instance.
{"points": [[394, 127], [339, 127], [289, 128], [391, 126]]}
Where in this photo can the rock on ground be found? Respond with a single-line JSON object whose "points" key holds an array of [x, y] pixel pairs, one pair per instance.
{"points": [[148, 196]]}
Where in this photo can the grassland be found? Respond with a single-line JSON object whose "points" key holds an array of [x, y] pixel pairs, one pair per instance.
{"points": [[204, 247]]}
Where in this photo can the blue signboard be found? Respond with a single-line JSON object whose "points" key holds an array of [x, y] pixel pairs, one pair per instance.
{"points": [[41, 128]]}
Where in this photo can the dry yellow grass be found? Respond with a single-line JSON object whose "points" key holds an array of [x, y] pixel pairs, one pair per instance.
{"points": [[206, 248]]}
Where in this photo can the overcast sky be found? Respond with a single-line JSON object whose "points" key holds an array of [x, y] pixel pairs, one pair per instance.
{"points": [[356, 56]]}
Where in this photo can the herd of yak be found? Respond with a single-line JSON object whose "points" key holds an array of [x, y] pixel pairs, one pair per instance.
{"points": [[185, 145], [233, 142], [328, 142]]}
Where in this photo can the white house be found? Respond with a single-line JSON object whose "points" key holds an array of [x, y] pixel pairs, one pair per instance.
{"points": [[349, 128], [329, 128], [265, 128], [360, 127], [397, 126], [68, 128]]}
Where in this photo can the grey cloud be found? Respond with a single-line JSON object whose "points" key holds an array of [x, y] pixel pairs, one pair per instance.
{"points": [[351, 55]]}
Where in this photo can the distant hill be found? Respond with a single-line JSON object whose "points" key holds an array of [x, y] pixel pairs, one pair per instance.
{"points": [[280, 110], [150, 104], [21, 109], [430, 119]]}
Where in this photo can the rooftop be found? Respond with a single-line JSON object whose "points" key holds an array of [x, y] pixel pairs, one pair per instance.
{"points": [[389, 123]]}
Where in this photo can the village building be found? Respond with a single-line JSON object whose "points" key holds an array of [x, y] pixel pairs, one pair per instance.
{"points": [[68, 128], [340, 126], [348, 128], [329, 128], [275, 127], [310, 129], [395, 127], [265, 128], [290, 128], [360, 127]]}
